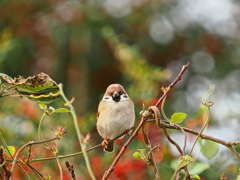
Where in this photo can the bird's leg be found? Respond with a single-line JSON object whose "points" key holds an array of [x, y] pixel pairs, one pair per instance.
{"points": [[105, 142], [128, 132]]}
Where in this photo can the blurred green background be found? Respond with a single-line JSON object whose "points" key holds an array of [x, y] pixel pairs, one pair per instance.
{"points": [[141, 44]]}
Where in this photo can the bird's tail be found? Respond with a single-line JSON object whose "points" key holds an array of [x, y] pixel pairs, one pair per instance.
{"points": [[110, 146]]}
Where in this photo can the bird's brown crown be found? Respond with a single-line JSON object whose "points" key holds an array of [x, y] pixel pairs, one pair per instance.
{"points": [[114, 87]]}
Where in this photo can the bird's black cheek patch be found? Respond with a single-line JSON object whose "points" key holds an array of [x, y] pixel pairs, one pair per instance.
{"points": [[117, 98]]}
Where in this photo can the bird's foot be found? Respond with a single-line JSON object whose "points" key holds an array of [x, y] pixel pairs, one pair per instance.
{"points": [[128, 132], [105, 143]]}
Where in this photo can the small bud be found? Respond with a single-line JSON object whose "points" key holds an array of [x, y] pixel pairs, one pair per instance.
{"points": [[47, 177], [196, 177], [184, 161], [25, 161], [87, 138], [60, 132], [136, 155], [52, 148], [207, 104]]}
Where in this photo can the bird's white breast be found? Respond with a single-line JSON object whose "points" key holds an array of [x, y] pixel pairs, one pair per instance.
{"points": [[115, 118]]}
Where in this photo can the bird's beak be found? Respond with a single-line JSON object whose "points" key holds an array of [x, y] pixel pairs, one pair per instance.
{"points": [[115, 94]]}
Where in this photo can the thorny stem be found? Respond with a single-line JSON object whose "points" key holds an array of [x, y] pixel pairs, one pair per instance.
{"points": [[82, 145]]}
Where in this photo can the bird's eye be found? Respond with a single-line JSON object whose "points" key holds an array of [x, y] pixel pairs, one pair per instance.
{"points": [[125, 96], [107, 97]]}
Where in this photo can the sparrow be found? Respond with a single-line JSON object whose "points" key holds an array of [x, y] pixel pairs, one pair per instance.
{"points": [[115, 115]]}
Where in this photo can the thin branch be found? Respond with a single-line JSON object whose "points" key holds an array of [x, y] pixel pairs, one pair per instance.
{"points": [[36, 172], [185, 137], [204, 126], [228, 144], [150, 157], [171, 140], [59, 166], [165, 117], [9, 94], [178, 78]]}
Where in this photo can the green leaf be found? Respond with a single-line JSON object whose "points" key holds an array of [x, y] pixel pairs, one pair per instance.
{"points": [[174, 164], [195, 168], [178, 117], [198, 167], [42, 106], [11, 149], [209, 149], [61, 110]]}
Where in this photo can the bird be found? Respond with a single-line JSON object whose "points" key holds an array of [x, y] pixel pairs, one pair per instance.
{"points": [[115, 115]]}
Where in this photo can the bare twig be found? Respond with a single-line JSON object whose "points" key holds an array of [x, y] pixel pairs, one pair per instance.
{"points": [[185, 137], [178, 78], [171, 140], [150, 157], [36, 172], [9, 94]]}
